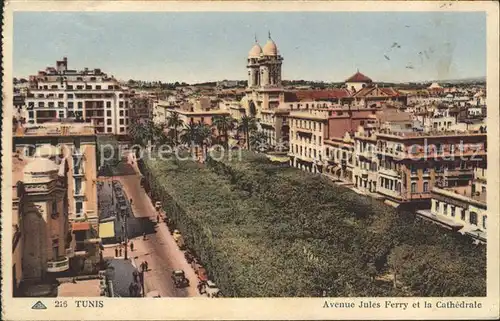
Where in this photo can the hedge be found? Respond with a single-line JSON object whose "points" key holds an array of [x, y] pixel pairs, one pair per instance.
{"points": [[262, 231]]}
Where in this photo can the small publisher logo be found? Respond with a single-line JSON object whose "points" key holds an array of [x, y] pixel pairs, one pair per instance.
{"points": [[39, 306]]}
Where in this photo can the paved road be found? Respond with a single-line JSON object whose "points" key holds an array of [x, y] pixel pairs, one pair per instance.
{"points": [[159, 249]]}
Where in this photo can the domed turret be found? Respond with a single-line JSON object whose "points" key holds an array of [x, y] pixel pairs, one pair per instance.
{"points": [[40, 169], [255, 52], [270, 48]]}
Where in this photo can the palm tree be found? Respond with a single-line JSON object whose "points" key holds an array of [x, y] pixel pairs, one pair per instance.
{"points": [[190, 134], [174, 122], [258, 140], [224, 124], [204, 135], [247, 125]]}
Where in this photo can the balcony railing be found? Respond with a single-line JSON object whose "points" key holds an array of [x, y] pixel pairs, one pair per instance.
{"points": [[60, 264], [388, 172], [459, 172]]}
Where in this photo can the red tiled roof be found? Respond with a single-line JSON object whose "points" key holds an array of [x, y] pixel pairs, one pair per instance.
{"points": [[358, 77], [303, 95]]}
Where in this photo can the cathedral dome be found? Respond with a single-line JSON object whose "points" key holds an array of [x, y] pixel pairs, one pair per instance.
{"points": [[255, 51], [270, 49]]}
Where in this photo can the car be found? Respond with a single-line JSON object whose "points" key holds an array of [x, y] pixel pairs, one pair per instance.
{"points": [[211, 289], [179, 279]]}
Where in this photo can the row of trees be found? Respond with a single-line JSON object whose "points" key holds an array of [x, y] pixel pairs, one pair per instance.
{"points": [[264, 231], [175, 131]]}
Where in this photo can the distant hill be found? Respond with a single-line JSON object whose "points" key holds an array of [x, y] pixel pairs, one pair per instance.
{"points": [[461, 81]]}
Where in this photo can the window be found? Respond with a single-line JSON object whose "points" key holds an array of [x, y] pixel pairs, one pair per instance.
{"points": [[426, 186], [462, 215], [31, 115], [122, 129], [108, 121], [121, 121], [97, 87], [70, 104], [108, 113], [71, 88], [51, 104], [79, 208], [41, 104], [61, 96], [110, 130], [120, 104], [61, 114], [80, 105], [483, 189], [484, 221], [108, 104], [88, 87], [473, 218], [413, 187], [79, 87], [121, 113], [70, 96]]}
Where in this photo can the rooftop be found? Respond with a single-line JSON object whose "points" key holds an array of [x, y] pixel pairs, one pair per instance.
{"points": [[82, 288], [56, 129], [358, 77]]}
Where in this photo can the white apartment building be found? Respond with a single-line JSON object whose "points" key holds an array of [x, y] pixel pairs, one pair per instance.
{"points": [[90, 95], [308, 127]]}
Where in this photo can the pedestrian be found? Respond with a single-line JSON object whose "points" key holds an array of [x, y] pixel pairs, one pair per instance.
{"points": [[131, 246], [144, 235], [130, 201], [135, 274], [131, 289], [146, 265]]}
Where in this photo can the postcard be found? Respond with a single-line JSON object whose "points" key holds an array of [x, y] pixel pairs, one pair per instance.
{"points": [[265, 160]]}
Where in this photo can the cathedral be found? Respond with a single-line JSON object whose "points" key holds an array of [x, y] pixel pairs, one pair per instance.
{"points": [[265, 92]]}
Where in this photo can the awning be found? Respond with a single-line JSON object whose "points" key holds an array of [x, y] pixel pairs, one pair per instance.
{"points": [[81, 226], [282, 159], [107, 230]]}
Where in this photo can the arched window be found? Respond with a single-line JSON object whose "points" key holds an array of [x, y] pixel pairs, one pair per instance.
{"points": [[473, 218], [426, 186], [413, 187]]}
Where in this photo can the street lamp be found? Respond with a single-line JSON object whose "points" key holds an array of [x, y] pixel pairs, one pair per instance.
{"points": [[124, 221]]}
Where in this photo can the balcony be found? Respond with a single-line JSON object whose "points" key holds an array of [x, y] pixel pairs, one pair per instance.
{"points": [[60, 264], [388, 172], [70, 252], [468, 172]]}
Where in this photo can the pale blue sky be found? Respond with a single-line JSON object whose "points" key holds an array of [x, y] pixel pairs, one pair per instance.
{"points": [[207, 46]]}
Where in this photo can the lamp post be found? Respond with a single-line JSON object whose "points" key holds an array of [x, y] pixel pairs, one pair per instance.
{"points": [[124, 221]]}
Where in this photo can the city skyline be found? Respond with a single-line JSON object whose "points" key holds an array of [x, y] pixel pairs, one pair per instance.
{"points": [[390, 47]]}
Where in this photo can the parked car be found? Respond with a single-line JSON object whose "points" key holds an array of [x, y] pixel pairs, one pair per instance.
{"points": [[178, 239], [211, 289], [179, 279]]}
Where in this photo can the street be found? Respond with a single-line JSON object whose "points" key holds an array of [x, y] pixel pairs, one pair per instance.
{"points": [[159, 248]]}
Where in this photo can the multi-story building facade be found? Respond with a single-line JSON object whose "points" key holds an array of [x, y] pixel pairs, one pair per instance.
{"points": [[410, 164], [74, 146], [90, 95], [42, 242]]}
